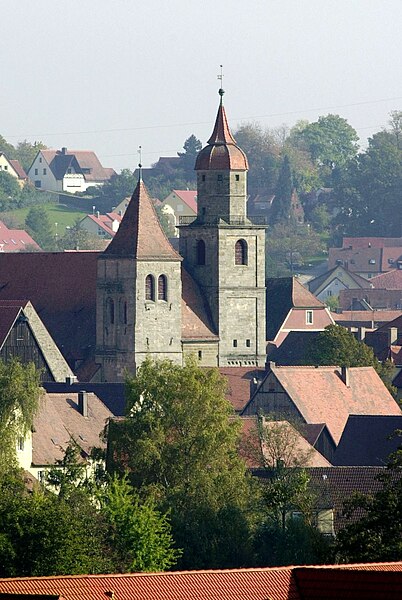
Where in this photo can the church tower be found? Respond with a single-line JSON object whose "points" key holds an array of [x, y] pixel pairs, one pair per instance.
{"points": [[138, 306], [225, 252]]}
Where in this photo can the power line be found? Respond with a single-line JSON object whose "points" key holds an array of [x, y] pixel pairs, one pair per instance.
{"points": [[188, 124]]}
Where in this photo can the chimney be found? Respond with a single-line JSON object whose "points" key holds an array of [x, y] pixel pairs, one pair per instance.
{"points": [[97, 214], [64, 150], [254, 383], [83, 403], [345, 375], [392, 335], [70, 379]]}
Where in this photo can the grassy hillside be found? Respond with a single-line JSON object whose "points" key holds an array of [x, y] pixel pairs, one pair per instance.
{"points": [[58, 213]]}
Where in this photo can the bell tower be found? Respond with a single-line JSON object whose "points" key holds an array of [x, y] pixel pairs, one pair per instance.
{"points": [[138, 304], [225, 252]]}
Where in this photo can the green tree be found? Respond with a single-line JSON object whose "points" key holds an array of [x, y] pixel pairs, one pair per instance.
{"points": [[191, 147], [7, 148], [20, 393], [39, 226], [331, 141], [179, 443], [338, 346], [280, 212], [139, 534], [374, 531], [9, 190], [25, 152], [289, 244], [78, 238]]}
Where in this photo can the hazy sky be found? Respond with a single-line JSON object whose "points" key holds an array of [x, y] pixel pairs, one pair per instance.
{"points": [[113, 75]]}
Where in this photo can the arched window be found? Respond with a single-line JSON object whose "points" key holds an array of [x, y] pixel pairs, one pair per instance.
{"points": [[200, 252], [110, 311], [162, 287], [241, 252], [149, 288]]}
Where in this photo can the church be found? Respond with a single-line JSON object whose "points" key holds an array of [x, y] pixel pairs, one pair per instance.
{"points": [[140, 298]]}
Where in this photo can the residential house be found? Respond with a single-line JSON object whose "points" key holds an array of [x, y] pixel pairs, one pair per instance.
{"points": [[14, 168], [374, 581], [290, 307], [386, 341], [330, 283], [367, 257], [16, 240], [104, 226], [179, 205], [68, 170], [362, 321], [24, 336], [370, 299], [63, 418], [318, 395]]}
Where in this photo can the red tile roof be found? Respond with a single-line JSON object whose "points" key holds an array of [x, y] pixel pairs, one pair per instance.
{"points": [[293, 448], [189, 197], [18, 168], [389, 281], [250, 584], [140, 234], [106, 221], [59, 162], [15, 240], [321, 396], [239, 384], [222, 152], [59, 420], [373, 242]]}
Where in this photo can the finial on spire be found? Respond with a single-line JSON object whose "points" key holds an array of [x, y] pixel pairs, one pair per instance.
{"points": [[221, 90], [140, 163]]}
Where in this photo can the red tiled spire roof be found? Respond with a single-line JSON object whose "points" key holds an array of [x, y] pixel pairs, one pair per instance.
{"points": [[222, 152], [140, 235]]}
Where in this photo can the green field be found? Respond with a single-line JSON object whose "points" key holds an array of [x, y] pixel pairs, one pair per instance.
{"points": [[58, 213]]}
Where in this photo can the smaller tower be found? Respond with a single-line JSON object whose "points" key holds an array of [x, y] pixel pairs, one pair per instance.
{"points": [[138, 312]]}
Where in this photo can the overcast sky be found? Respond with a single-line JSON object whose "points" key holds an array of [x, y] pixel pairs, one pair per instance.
{"points": [[112, 75]]}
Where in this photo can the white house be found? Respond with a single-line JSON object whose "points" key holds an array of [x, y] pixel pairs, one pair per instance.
{"points": [[105, 226], [14, 168], [68, 170]]}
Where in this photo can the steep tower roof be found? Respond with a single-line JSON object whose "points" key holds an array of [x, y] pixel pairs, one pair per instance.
{"points": [[140, 235], [222, 152]]}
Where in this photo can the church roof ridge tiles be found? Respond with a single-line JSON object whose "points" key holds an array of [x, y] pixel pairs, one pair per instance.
{"points": [[140, 234]]}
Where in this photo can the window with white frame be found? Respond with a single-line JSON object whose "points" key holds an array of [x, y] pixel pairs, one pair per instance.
{"points": [[309, 317]]}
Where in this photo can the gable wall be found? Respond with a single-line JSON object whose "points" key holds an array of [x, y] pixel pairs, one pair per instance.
{"points": [[21, 344]]}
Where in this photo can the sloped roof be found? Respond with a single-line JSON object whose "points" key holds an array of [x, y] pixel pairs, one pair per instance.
{"points": [[140, 234], [373, 242], [63, 292], [222, 152], [315, 283], [189, 197], [59, 420], [389, 281], [321, 396], [295, 445], [292, 350], [357, 259], [239, 384], [284, 293], [366, 317], [18, 168], [59, 162], [8, 315], [368, 440], [111, 394], [196, 318], [253, 584], [105, 221], [15, 240]]}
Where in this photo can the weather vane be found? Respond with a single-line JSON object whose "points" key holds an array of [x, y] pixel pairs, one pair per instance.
{"points": [[220, 77]]}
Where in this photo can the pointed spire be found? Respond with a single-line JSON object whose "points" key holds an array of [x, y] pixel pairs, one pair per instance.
{"points": [[140, 234], [140, 163], [221, 133]]}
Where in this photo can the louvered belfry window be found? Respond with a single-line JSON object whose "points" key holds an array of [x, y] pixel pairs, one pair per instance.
{"points": [[162, 287], [149, 288], [241, 252]]}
